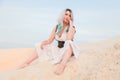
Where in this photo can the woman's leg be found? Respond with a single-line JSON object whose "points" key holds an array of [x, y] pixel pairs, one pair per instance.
{"points": [[64, 61], [29, 60]]}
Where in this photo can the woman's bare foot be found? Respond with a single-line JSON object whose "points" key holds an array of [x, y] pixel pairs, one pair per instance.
{"points": [[60, 69]]}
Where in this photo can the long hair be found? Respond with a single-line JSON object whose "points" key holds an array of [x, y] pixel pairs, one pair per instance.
{"points": [[61, 18]]}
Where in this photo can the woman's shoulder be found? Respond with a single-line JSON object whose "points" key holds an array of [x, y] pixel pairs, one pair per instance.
{"points": [[74, 28]]}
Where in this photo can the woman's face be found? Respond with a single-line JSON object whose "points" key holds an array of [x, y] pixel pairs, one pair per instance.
{"points": [[67, 17]]}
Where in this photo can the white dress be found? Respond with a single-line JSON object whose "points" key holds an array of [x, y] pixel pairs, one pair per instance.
{"points": [[53, 53]]}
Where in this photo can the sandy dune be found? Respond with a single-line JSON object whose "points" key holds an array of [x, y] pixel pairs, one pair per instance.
{"points": [[97, 61]]}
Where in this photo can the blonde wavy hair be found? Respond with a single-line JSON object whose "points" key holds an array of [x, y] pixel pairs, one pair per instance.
{"points": [[61, 18]]}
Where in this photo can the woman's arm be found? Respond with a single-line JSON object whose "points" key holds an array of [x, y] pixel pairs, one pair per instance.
{"points": [[71, 32], [50, 39]]}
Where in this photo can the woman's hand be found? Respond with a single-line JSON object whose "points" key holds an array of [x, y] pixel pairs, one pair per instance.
{"points": [[43, 44]]}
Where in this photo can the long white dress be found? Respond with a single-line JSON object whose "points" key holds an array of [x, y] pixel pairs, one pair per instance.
{"points": [[53, 53]]}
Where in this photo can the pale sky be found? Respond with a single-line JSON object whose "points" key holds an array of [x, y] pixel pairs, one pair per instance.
{"points": [[26, 22]]}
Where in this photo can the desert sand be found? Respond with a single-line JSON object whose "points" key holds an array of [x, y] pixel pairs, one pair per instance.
{"points": [[97, 61]]}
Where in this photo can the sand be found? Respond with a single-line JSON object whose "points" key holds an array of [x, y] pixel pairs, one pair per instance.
{"points": [[97, 61]]}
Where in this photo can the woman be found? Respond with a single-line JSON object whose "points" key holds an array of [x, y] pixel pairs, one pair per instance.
{"points": [[63, 32]]}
